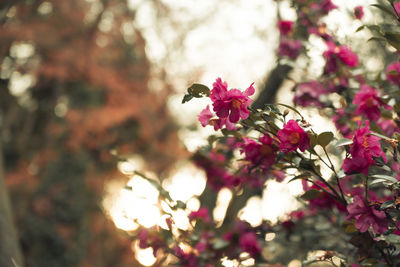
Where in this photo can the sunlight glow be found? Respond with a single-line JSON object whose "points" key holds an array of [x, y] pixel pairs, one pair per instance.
{"points": [[144, 256]]}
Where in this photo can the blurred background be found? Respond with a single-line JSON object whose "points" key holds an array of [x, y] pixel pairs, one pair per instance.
{"points": [[84, 83]]}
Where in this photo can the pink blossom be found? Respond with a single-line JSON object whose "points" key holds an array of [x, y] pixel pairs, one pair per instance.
{"points": [[201, 214], [248, 242], [320, 30], [292, 136], [393, 72], [206, 118], [366, 216], [365, 146], [388, 127], [150, 239], [368, 102], [262, 154], [397, 6], [307, 94], [359, 12], [330, 56], [187, 259], [347, 56], [290, 48], [231, 104], [285, 26], [343, 53], [327, 6]]}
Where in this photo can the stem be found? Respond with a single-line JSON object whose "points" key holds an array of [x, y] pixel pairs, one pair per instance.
{"points": [[336, 175]]}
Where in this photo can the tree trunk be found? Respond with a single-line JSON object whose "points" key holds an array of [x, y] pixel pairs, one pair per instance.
{"points": [[10, 254]]}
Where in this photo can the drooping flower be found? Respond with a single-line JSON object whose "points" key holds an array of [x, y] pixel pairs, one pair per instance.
{"points": [[285, 26], [292, 136], [368, 102], [359, 12], [393, 73], [367, 216], [230, 104], [365, 146], [290, 48]]}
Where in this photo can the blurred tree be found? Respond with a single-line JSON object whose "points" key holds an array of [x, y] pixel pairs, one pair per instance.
{"points": [[73, 88]]}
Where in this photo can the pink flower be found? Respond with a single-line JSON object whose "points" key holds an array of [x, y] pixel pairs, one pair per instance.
{"points": [[368, 102], [388, 127], [292, 136], [393, 72], [397, 6], [366, 216], [261, 154], [365, 146], [307, 94], [201, 214], [347, 56], [343, 53], [327, 6], [206, 118], [330, 56], [285, 26], [230, 104], [150, 239], [290, 48], [359, 12], [248, 242]]}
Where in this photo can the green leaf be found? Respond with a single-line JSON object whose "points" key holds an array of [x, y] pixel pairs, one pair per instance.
{"points": [[180, 205], [324, 138], [226, 132], [387, 204], [350, 229], [393, 238], [385, 177], [392, 34], [385, 9], [360, 28], [196, 90], [375, 28], [310, 194], [369, 262], [220, 244], [378, 39], [313, 140], [300, 176], [380, 135], [186, 98], [344, 142]]}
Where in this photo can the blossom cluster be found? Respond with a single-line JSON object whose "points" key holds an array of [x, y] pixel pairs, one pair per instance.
{"points": [[350, 177]]}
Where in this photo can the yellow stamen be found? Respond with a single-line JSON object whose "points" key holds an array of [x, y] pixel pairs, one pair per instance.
{"points": [[236, 103], [294, 138]]}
